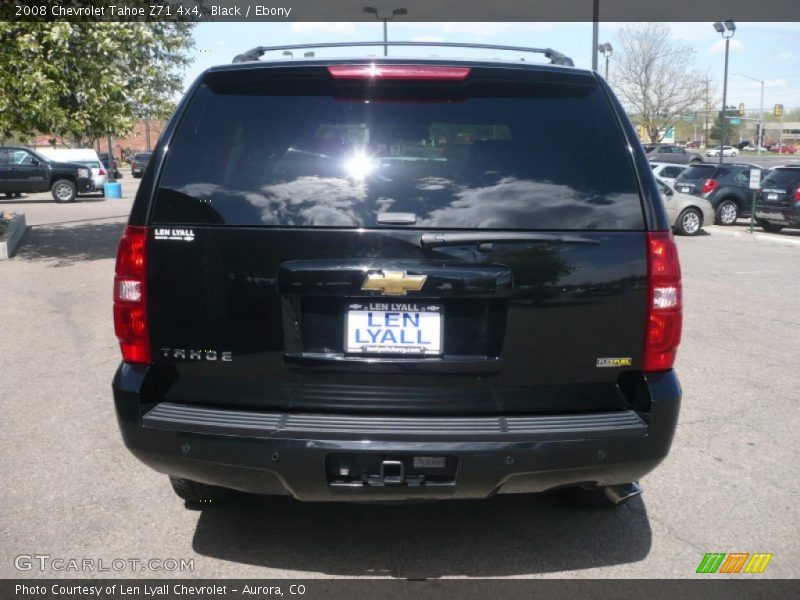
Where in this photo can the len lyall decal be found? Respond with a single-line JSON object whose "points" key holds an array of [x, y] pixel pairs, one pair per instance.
{"points": [[734, 562]]}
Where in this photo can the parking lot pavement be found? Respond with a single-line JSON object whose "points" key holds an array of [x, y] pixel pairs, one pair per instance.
{"points": [[768, 160], [71, 490], [741, 229], [40, 209]]}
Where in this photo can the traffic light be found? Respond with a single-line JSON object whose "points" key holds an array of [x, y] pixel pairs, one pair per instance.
{"points": [[778, 110], [741, 109]]}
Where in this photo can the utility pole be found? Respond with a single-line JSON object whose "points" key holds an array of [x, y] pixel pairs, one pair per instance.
{"points": [[147, 133], [110, 159]]}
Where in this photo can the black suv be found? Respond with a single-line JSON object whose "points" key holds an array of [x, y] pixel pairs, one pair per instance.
{"points": [[778, 201], [23, 170], [368, 279], [727, 187]]}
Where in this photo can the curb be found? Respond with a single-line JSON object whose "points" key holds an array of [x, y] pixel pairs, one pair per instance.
{"points": [[12, 236]]}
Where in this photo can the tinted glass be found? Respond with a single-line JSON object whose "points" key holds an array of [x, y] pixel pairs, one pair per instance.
{"points": [[783, 177], [3, 157], [502, 161], [671, 171], [142, 157], [20, 157], [92, 164], [698, 172]]}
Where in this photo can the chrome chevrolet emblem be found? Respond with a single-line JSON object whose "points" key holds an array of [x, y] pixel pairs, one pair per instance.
{"points": [[393, 283]]}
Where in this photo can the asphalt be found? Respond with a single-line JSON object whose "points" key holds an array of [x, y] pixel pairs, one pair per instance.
{"points": [[71, 490]]}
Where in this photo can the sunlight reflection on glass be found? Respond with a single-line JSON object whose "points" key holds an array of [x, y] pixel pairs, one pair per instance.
{"points": [[359, 165]]}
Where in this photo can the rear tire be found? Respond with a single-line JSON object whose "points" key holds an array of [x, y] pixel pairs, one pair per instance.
{"points": [[727, 212], [690, 222], [64, 190], [771, 228], [196, 493]]}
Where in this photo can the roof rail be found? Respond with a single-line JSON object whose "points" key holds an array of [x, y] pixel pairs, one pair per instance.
{"points": [[556, 58]]}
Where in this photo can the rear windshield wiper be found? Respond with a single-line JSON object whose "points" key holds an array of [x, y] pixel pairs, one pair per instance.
{"points": [[436, 240]]}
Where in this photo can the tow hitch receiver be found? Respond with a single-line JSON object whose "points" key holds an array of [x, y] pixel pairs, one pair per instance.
{"points": [[375, 471]]}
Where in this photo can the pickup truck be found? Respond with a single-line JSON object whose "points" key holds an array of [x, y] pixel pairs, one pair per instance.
{"points": [[23, 170]]}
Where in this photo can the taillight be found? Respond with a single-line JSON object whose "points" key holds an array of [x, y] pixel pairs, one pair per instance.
{"points": [[709, 185], [665, 302], [410, 72], [797, 195], [102, 172], [130, 296]]}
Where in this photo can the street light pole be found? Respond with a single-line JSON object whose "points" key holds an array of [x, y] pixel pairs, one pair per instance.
{"points": [[726, 29], [760, 136], [595, 31], [724, 120], [371, 10], [607, 50]]}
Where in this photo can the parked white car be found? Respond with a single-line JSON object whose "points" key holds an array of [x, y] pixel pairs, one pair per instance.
{"points": [[726, 151], [667, 171], [82, 156], [686, 213]]}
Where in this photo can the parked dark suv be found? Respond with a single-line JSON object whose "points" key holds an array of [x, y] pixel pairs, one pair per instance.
{"points": [[23, 170], [727, 187], [368, 279], [778, 201], [139, 163]]}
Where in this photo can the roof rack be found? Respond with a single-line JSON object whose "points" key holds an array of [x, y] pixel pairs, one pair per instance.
{"points": [[556, 58]]}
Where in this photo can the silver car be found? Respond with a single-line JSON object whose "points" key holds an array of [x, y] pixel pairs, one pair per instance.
{"points": [[667, 171], [686, 213], [99, 174]]}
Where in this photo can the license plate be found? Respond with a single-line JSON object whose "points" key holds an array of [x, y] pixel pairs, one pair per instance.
{"points": [[772, 196], [393, 328], [685, 190]]}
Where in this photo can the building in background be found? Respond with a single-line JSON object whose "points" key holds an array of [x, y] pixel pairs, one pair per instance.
{"points": [[135, 141]]}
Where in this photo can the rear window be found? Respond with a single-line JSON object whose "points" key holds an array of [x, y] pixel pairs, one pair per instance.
{"points": [[92, 164], [143, 156], [505, 155], [698, 172], [782, 177], [671, 171]]}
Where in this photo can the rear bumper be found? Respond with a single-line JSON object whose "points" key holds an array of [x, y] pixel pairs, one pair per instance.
{"points": [[280, 453], [789, 216]]}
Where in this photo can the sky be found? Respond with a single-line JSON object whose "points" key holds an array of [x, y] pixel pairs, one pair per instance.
{"points": [[764, 51]]}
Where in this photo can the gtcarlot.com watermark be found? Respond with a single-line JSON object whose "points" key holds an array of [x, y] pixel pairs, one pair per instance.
{"points": [[48, 563]]}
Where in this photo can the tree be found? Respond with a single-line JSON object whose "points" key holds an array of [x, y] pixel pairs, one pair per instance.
{"points": [[85, 80], [655, 78]]}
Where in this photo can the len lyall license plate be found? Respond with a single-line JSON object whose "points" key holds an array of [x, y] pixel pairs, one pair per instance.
{"points": [[393, 328]]}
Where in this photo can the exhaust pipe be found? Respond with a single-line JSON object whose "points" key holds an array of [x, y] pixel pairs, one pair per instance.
{"points": [[623, 492]]}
